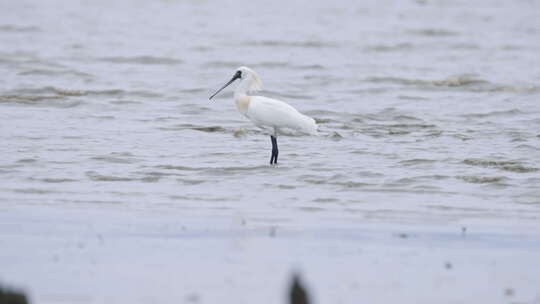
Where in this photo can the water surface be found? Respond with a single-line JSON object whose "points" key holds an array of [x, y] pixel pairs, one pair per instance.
{"points": [[118, 173]]}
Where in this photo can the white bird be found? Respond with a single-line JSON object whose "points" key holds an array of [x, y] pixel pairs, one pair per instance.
{"points": [[271, 115]]}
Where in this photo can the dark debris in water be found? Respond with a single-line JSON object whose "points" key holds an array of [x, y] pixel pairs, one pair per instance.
{"points": [[509, 292], [448, 265], [12, 296], [239, 132], [335, 136], [298, 293]]}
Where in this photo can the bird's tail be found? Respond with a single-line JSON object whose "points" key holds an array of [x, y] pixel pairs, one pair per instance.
{"points": [[309, 125]]}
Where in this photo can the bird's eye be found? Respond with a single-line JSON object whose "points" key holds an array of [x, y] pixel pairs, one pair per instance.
{"points": [[238, 74]]}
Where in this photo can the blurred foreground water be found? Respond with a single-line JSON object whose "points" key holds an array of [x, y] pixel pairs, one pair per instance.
{"points": [[121, 183]]}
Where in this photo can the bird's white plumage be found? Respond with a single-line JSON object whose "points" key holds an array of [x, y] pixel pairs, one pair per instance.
{"points": [[274, 116], [278, 117]]}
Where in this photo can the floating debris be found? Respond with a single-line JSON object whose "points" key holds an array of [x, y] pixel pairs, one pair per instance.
{"points": [[272, 232], [509, 292], [239, 132], [335, 136], [10, 296], [298, 293]]}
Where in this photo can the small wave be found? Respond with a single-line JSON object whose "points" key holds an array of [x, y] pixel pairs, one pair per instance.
{"points": [[194, 90], [200, 198], [18, 29], [216, 170], [26, 98], [111, 92], [287, 187], [482, 179], [351, 184], [317, 67], [417, 161], [116, 158], [53, 180], [27, 160], [62, 97], [323, 113], [149, 60], [180, 168], [465, 46], [389, 48], [406, 117], [512, 166], [408, 97], [323, 120], [411, 126], [39, 100], [223, 64], [452, 81], [48, 72], [33, 191], [431, 32], [66, 92], [514, 89], [315, 180], [272, 64], [326, 200], [201, 48], [528, 147], [209, 129], [107, 178], [511, 112], [188, 181], [283, 43], [124, 102]]}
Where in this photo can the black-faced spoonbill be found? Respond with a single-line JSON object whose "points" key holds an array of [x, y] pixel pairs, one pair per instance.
{"points": [[273, 116]]}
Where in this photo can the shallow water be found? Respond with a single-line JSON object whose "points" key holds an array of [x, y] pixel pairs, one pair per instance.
{"points": [[118, 173]]}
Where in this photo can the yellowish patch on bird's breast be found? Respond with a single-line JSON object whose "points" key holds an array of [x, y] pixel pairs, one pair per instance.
{"points": [[242, 103]]}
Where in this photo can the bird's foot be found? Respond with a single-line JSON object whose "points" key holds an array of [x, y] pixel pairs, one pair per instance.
{"points": [[273, 158]]}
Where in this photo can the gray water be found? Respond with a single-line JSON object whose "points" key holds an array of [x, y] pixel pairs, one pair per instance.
{"points": [[118, 176]]}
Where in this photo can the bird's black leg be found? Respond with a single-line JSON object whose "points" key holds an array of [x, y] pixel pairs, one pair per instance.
{"points": [[276, 151], [273, 158]]}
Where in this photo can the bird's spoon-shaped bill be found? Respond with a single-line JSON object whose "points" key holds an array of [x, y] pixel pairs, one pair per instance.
{"points": [[236, 76]]}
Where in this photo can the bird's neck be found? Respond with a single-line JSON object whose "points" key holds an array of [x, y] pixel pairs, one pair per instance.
{"points": [[242, 89]]}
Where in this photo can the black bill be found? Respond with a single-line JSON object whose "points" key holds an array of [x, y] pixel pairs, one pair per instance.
{"points": [[237, 75]]}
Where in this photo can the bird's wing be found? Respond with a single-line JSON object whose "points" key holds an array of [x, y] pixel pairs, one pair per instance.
{"points": [[268, 112]]}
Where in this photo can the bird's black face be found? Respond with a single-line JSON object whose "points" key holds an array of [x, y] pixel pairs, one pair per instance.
{"points": [[237, 75]]}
